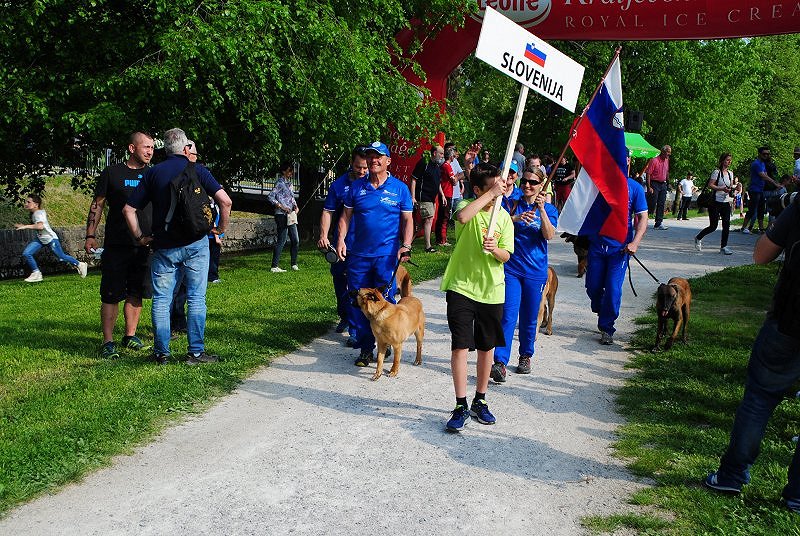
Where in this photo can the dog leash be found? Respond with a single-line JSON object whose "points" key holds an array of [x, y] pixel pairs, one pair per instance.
{"points": [[630, 279], [394, 272]]}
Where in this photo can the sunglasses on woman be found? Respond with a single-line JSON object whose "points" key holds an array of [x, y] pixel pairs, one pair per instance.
{"points": [[532, 182]]}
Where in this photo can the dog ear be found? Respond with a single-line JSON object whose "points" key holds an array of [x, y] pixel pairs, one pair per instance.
{"points": [[382, 289]]}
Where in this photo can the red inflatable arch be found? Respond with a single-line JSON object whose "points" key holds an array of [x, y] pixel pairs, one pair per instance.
{"points": [[594, 20]]}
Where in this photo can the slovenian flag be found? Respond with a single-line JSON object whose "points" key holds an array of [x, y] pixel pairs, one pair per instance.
{"points": [[598, 203], [535, 55]]}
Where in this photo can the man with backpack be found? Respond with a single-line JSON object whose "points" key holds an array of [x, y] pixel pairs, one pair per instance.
{"points": [[182, 217]]}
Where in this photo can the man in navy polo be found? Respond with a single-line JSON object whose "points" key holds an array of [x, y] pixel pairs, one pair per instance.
{"points": [[381, 208], [171, 257], [332, 211]]}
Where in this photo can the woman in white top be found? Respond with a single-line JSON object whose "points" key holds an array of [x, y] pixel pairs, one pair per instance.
{"points": [[721, 182], [45, 237]]}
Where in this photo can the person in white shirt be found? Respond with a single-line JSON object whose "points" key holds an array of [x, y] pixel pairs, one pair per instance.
{"points": [[686, 188], [45, 237]]}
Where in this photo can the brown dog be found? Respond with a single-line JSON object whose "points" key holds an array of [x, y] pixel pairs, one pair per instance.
{"points": [[545, 319], [673, 300], [392, 324], [580, 245]]}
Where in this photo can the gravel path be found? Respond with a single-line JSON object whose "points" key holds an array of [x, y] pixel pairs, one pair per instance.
{"points": [[309, 445]]}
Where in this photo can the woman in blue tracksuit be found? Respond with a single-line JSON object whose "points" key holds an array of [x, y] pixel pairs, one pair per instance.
{"points": [[526, 271]]}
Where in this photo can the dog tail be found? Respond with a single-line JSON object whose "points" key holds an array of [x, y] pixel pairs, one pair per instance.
{"points": [[405, 286]]}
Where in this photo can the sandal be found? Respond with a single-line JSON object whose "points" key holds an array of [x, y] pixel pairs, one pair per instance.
{"points": [[430, 250]]}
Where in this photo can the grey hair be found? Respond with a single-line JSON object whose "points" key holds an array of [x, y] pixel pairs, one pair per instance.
{"points": [[449, 153], [174, 141], [519, 147]]}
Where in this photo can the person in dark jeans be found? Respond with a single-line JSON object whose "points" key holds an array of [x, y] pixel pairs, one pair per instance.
{"points": [[286, 210], [658, 183], [773, 368]]}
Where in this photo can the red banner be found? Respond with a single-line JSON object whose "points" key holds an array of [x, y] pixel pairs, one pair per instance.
{"points": [[630, 20]]}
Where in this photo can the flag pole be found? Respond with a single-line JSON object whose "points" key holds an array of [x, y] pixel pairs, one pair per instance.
{"points": [[512, 140], [574, 128]]}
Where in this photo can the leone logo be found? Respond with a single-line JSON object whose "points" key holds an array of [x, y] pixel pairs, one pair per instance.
{"points": [[526, 13]]}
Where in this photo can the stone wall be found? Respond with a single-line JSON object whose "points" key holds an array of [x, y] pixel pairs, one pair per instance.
{"points": [[242, 235]]}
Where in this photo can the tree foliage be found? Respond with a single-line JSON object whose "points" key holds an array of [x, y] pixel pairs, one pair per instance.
{"points": [[253, 81], [701, 97]]}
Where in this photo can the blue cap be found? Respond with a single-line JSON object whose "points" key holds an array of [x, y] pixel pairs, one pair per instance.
{"points": [[379, 147], [513, 167]]}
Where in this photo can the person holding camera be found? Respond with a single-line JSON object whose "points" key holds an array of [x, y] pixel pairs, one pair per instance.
{"points": [[331, 212], [721, 182], [774, 365]]}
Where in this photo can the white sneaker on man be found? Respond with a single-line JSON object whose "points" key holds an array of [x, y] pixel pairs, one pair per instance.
{"points": [[295, 267], [35, 277], [277, 270], [745, 231], [82, 268], [698, 245], [726, 251]]}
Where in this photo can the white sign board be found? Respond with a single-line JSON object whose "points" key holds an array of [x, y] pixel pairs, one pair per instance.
{"points": [[517, 53]]}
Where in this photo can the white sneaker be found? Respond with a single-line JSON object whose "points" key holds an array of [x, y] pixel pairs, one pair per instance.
{"points": [[35, 277], [698, 245], [295, 267], [277, 270], [726, 250], [745, 231], [661, 227], [82, 268]]}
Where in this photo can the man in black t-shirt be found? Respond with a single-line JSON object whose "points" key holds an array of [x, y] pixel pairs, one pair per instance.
{"points": [[563, 180], [425, 187], [125, 267], [774, 366]]}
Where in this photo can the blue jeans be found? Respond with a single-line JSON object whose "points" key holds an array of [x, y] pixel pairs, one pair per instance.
{"points": [[368, 272], [168, 265], [605, 275], [523, 297], [33, 248], [284, 230], [774, 366]]}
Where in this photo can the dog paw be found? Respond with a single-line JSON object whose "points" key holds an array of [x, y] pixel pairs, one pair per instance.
{"points": [[418, 362], [376, 375], [393, 373]]}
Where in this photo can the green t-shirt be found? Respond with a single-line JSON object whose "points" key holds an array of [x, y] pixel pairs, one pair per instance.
{"points": [[471, 272]]}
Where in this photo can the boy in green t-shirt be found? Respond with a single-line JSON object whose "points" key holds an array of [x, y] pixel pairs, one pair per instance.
{"points": [[475, 286]]}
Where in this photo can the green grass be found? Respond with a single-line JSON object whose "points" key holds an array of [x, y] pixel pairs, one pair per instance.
{"points": [[679, 408], [64, 206], [64, 411]]}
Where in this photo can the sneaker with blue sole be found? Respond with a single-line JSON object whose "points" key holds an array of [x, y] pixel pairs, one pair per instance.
{"points": [[712, 482], [480, 410], [458, 419]]}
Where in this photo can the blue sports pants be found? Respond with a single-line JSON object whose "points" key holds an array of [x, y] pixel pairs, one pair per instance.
{"points": [[523, 297], [605, 275], [368, 272]]}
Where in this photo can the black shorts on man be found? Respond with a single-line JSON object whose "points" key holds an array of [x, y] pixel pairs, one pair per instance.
{"points": [[125, 274]]}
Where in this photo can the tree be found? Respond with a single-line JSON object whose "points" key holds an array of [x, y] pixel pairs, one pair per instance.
{"points": [[253, 81]]}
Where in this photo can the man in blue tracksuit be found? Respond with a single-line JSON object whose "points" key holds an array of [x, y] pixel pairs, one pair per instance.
{"points": [[332, 211], [381, 208], [608, 261]]}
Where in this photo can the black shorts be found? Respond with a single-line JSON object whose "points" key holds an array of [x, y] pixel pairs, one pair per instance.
{"points": [[474, 324], [125, 274]]}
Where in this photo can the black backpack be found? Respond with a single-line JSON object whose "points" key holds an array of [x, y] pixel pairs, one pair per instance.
{"points": [[787, 290], [190, 215]]}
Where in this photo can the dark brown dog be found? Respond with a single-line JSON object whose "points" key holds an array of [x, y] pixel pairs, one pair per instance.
{"points": [[545, 319], [673, 300], [580, 245], [392, 324]]}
